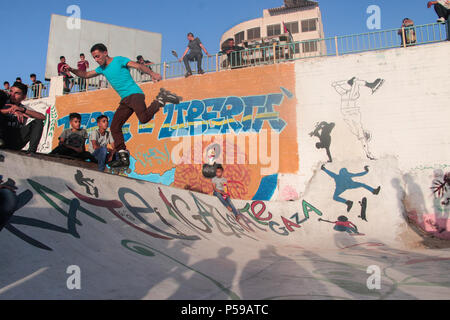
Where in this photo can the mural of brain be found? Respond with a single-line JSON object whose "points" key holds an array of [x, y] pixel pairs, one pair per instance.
{"points": [[189, 175]]}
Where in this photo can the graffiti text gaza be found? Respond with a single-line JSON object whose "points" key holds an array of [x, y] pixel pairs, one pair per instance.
{"points": [[220, 116]]}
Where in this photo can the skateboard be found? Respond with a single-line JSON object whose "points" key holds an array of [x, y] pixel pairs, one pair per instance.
{"points": [[363, 204]]}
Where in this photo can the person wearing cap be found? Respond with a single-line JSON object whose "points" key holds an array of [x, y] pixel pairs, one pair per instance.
{"points": [[19, 125]]}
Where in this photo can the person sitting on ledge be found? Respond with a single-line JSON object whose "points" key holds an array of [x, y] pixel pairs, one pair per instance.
{"points": [[442, 8], [19, 125], [72, 141]]}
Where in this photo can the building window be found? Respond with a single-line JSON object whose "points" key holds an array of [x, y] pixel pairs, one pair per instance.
{"points": [[292, 27], [273, 30], [309, 25], [253, 33], [239, 37], [310, 46]]}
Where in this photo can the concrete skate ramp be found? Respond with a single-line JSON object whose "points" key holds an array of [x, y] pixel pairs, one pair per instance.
{"points": [[130, 239]]}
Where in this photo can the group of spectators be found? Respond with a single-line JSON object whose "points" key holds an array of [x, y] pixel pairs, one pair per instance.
{"points": [[68, 79], [36, 86], [194, 53], [21, 126], [83, 65], [72, 142], [407, 32]]}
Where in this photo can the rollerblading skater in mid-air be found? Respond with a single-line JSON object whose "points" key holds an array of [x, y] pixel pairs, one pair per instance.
{"points": [[116, 70]]}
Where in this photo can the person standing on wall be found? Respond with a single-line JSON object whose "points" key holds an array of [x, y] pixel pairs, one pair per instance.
{"points": [[82, 65], [194, 48], [117, 72], [67, 78], [442, 8]]}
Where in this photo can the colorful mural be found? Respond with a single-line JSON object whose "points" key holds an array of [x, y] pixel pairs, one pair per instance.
{"points": [[254, 125]]}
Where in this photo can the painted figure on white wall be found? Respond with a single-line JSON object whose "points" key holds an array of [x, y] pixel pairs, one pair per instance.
{"points": [[350, 93], [323, 132]]}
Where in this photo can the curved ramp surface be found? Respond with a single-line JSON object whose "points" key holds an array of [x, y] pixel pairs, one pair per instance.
{"points": [[81, 234]]}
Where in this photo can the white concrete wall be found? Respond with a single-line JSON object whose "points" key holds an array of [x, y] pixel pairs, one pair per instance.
{"points": [[407, 117], [120, 41]]}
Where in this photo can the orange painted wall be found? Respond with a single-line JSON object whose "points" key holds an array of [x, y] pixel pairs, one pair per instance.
{"points": [[151, 153]]}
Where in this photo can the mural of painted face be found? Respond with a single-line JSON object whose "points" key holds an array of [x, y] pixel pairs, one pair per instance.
{"points": [[212, 153]]}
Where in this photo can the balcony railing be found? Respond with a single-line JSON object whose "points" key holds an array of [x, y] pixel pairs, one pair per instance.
{"points": [[38, 91], [290, 51]]}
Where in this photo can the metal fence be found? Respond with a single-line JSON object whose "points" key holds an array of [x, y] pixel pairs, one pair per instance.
{"points": [[38, 91], [278, 52]]}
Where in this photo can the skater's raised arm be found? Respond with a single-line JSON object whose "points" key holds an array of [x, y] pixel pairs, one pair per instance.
{"points": [[81, 73], [155, 76]]}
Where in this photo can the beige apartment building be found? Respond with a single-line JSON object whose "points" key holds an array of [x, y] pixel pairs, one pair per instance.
{"points": [[302, 17]]}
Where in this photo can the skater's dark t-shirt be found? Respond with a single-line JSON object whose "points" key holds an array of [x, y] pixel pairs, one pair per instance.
{"points": [[194, 45], [74, 138]]}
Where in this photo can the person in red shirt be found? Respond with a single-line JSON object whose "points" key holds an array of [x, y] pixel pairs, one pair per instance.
{"points": [[83, 65], [68, 84]]}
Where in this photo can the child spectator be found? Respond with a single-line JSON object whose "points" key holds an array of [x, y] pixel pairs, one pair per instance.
{"points": [[83, 65], [68, 83], [442, 8], [19, 125], [36, 86], [410, 32], [19, 79], [99, 141], [6, 86], [72, 141], [221, 192]]}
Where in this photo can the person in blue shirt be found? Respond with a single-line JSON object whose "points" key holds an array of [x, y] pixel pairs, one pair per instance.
{"points": [[117, 72]]}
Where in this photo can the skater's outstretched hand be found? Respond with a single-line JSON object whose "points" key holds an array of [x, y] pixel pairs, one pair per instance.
{"points": [[156, 77]]}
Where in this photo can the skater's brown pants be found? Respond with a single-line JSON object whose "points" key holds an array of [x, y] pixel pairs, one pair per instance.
{"points": [[133, 103]]}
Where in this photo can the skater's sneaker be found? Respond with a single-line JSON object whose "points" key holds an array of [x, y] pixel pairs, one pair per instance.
{"points": [[441, 20], [122, 161], [201, 71], [166, 96], [188, 74], [349, 205], [377, 190]]}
